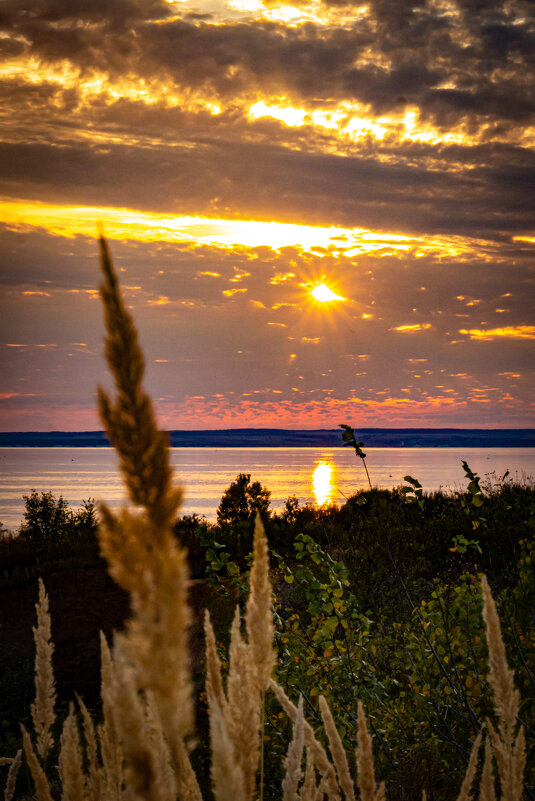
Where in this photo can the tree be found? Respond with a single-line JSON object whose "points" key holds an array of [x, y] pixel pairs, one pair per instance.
{"points": [[49, 519], [45, 516], [86, 517], [241, 501]]}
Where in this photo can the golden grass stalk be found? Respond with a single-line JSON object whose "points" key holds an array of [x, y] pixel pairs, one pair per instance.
{"points": [[322, 790], [365, 765], [487, 791], [156, 576], [465, 792], [140, 769], [12, 775], [135, 751], [130, 421], [42, 788], [308, 789], [237, 714], [70, 761], [43, 714], [509, 751], [319, 755], [244, 706], [500, 676], [159, 747], [110, 746], [227, 773], [186, 781], [258, 617], [214, 678], [93, 787], [337, 751], [292, 763], [141, 551]]}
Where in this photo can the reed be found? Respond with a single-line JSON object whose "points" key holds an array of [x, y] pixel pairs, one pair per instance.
{"points": [[42, 709], [11, 781], [140, 749]]}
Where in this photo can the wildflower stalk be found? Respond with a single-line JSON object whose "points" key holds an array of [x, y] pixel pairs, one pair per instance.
{"points": [[350, 441]]}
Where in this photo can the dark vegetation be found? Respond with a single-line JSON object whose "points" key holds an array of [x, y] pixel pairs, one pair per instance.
{"points": [[377, 599], [52, 536]]}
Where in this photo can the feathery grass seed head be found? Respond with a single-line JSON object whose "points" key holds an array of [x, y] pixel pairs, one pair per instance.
{"points": [[70, 760], [258, 617], [337, 751], [293, 760], [11, 780], [42, 787], [43, 714]]}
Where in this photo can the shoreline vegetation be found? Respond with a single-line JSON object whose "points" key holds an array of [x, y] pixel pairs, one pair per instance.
{"points": [[390, 638], [331, 568], [286, 438]]}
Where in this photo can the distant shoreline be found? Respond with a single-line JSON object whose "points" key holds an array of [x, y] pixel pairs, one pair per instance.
{"points": [[286, 438]]}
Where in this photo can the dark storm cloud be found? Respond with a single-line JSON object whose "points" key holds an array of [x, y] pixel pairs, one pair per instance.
{"points": [[485, 50], [41, 15], [280, 184]]}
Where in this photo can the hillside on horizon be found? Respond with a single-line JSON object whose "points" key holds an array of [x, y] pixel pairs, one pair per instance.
{"points": [[279, 437]]}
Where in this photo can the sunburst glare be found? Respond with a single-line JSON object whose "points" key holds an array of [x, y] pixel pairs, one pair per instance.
{"points": [[324, 294]]}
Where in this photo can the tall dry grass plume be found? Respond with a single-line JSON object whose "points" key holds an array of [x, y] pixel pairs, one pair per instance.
{"points": [[507, 741], [236, 713], [42, 709], [14, 767], [139, 750]]}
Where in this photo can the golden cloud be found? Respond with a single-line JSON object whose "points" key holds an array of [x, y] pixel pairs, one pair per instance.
{"points": [[512, 332]]}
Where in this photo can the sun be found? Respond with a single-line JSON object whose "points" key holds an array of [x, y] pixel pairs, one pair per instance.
{"points": [[324, 294]]}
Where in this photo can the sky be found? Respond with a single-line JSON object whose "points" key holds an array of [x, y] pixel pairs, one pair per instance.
{"points": [[240, 153]]}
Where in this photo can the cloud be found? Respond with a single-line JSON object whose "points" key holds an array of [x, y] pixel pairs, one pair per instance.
{"points": [[411, 328], [303, 187], [511, 332], [395, 54], [407, 128]]}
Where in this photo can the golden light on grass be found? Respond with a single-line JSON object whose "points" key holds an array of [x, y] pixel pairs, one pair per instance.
{"points": [[322, 483], [322, 293]]}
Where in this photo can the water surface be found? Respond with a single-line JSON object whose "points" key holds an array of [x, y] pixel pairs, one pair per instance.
{"points": [[312, 474]]}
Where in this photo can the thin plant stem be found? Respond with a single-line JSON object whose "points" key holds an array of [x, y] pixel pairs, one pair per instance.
{"points": [[367, 474], [262, 727]]}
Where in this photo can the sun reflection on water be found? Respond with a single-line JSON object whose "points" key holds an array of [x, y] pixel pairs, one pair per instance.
{"points": [[322, 483]]}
